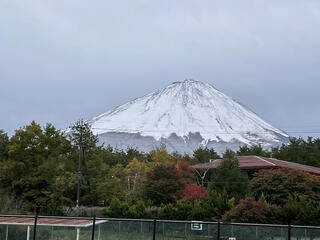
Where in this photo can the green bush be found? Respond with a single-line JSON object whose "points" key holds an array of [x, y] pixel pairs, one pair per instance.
{"points": [[300, 211]]}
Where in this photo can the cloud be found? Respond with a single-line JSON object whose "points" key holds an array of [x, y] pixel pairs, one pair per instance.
{"points": [[62, 60]]}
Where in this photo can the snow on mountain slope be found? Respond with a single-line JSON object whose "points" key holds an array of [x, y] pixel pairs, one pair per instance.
{"points": [[189, 107]]}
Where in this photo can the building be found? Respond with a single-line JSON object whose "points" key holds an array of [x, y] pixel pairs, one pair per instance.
{"points": [[251, 164]]}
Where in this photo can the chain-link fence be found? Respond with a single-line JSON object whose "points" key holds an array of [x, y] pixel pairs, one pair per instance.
{"points": [[69, 228]]}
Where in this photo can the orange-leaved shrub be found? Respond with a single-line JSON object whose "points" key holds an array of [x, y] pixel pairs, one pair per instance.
{"points": [[193, 192], [251, 211]]}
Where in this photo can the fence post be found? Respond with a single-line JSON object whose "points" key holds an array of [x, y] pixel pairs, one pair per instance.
{"points": [[289, 231], [218, 231], [154, 229], [35, 227], [93, 227]]}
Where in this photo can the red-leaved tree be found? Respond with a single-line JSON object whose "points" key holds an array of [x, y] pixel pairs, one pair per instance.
{"points": [[278, 185], [193, 192], [252, 211], [185, 171], [164, 183]]}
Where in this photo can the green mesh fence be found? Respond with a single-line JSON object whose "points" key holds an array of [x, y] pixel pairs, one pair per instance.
{"points": [[256, 232], [192, 231], [16, 232], [63, 233], [305, 233], [122, 229], [185, 230], [3, 229]]}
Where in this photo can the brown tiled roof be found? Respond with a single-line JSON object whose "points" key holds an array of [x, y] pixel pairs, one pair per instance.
{"points": [[255, 162], [297, 166], [47, 221]]}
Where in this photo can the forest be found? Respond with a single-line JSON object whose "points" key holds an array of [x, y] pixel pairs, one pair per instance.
{"points": [[39, 173]]}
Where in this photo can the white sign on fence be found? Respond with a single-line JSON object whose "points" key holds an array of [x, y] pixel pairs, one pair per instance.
{"points": [[196, 226]]}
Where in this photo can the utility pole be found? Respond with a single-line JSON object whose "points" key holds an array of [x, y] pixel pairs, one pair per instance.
{"points": [[82, 137], [79, 127], [79, 174]]}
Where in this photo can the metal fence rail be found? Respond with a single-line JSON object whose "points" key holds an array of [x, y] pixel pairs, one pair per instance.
{"points": [[21, 227]]}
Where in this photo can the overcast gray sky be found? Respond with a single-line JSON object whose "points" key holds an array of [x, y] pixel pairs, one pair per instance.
{"points": [[62, 60]]}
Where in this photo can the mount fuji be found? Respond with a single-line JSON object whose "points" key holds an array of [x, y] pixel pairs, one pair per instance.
{"points": [[185, 116]]}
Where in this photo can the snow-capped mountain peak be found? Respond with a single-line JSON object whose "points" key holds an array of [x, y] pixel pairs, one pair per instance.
{"points": [[184, 109]]}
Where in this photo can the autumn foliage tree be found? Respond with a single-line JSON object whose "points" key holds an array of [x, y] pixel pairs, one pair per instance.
{"points": [[164, 183], [193, 192], [184, 170], [251, 211], [160, 156], [278, 185]]}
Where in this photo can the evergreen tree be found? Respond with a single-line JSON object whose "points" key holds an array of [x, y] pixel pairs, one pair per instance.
{"points": [[219, 203], [141, 156], [256, 150], [4, 144], [203, 155], [300, 151], [81, 135], [37, 168], [300, 211], [229, 177]]}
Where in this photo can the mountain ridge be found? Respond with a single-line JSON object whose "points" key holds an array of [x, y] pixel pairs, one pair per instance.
{"points": [[184, 109]]}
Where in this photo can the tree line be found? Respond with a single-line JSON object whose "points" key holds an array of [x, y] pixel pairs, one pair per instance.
{"points": [[39, 171]]}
